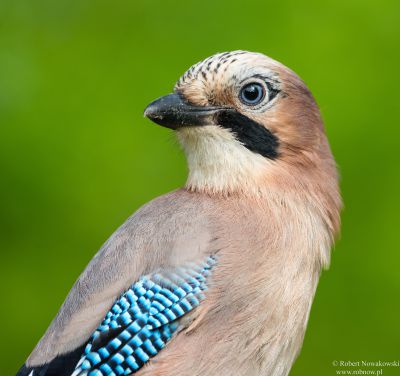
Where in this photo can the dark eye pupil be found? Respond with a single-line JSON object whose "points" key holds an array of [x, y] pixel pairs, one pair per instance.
{"points": [[252, 94]]}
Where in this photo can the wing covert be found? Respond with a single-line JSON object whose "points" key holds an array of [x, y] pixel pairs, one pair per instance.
{"points": [[143, 319]]}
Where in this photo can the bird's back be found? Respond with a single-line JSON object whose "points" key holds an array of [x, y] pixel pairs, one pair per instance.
{"points": [[167, 233]]}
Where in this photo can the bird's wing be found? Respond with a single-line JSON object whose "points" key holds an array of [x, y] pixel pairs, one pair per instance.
{"points": [[143, 319], [159, 240]]}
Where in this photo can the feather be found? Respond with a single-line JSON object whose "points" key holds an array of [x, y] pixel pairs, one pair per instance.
{"points": [[143, 320]]}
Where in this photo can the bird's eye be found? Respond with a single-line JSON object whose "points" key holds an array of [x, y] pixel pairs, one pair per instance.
{"points": [[252, 94]]}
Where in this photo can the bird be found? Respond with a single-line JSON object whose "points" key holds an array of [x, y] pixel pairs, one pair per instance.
{"points": [[218, 276]]}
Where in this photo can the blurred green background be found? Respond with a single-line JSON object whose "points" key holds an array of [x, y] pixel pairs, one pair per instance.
{"points": [[77, 157]]}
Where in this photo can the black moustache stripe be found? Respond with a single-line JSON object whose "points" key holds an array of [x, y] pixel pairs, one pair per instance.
{"points": [[251, 134]]}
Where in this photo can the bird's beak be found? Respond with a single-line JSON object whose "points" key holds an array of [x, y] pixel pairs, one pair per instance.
{"points": [[173, 112]]}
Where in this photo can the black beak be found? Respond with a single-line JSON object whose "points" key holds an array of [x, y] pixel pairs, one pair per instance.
{"points": [[173, 112]]}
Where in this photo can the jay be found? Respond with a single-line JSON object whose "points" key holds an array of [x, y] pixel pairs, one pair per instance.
{"points": [[218, 277]]}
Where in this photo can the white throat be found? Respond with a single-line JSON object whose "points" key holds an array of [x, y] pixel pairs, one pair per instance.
{"points": [[218, 163]]}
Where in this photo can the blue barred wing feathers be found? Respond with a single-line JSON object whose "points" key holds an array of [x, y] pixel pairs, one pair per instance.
{"points": [[143, 319]]}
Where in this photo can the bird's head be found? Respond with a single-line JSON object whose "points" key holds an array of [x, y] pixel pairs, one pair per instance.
{"points": [[247, 124]]}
